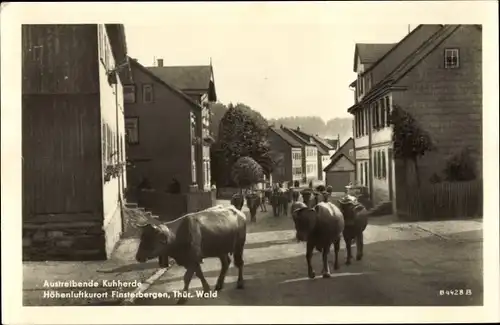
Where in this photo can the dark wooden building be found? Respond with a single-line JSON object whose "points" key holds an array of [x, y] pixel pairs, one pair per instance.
{"points": [[72, 136]]}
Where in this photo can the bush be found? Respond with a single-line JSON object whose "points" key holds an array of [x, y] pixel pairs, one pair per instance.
{"points": [[460, 167]]}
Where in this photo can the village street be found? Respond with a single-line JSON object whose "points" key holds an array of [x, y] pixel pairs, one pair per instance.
{"points": [[404, 264]]}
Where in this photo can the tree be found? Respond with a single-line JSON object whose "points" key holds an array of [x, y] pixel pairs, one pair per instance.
{"points": [[410, 141], [246, 172], [243, 133], [217, 111]]}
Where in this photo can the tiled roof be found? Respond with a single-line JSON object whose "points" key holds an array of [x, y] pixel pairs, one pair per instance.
{"points": [[317, 141], [333, 142], [336, 159], [370, 52], [135, 63], [185, 77], [298, 137], [285, 136]]}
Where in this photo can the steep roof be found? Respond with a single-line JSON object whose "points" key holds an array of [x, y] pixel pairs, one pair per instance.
{"points": [[337, 158], [339, 151], [136, 64], [410, 62], [334, 143], [370, 52], [286, 137], [185, 77], [322, 145], [303, 141]]}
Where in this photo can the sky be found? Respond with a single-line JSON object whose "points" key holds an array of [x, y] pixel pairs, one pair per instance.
{"points": [[278, 64]]}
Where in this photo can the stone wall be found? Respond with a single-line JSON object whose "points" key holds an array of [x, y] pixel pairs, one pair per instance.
{"points": [[63, 241]]}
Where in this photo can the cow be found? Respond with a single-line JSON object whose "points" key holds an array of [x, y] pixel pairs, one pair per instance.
{"points": [[295, 195], [262, 196], [237, 200], [284, 200], [276, 201], [219, 231], [356, 221], [306, 197], [319, 227], [253, 202]]}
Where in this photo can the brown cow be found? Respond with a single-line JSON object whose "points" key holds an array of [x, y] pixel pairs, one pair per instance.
{"points": [[253, 202], [356, 221], [215, 232], [306, 197], [237, 200], [319, 227]]}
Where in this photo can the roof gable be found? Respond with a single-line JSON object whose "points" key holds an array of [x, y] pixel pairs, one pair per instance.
{"points": [[414, 33], [136, 64], [336, 160], [370, 52], [349, 144], [185, 77], [322, 145], [286, 137], [298, 137]]}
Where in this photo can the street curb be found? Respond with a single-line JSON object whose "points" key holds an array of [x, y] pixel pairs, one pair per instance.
{"points": [[144, 286]]}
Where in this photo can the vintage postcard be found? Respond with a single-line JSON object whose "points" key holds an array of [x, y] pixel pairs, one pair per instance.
{"points": [[245, 162]]}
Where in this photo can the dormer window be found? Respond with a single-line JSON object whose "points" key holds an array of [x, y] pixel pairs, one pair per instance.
{"points": [[451, 58]]}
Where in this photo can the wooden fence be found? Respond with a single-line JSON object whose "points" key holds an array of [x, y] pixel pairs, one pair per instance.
{"points": [[446, 200]]}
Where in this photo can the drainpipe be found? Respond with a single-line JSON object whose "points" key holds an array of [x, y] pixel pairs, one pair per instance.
{"points": [[120, 200], [370, 171]]}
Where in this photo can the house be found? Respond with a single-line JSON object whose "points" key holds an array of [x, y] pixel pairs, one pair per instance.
{"points": [[325, 151], [434, 74], [309, 156], [334, 143], [73, 140], [341, 170], [288, 152], [197, 82]]}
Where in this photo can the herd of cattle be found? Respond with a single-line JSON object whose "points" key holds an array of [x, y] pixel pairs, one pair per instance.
{"points": [[220, 232], [279, 199]]}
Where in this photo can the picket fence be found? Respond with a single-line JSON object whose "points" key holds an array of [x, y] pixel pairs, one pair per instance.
{"points": [[446, 200]]}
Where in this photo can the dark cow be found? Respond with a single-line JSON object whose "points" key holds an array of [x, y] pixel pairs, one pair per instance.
{"points": [[215, 232], [295, 195], [237, 200], [285, 199], [276, 201], [253, 202], [262, 196], [356, 221], [319, 227], [306, 197]]}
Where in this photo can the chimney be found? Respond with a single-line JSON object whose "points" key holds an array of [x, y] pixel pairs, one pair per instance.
{"points": [[160, 62], [298, 128], [281, 126]]}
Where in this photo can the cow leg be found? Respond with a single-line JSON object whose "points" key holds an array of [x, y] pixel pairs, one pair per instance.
{"points": [[359, 246], [326, 267], [348, 241], [238, 261], [309, 253], [336, 245], [199, 274], [187, 280], [224, 261]]}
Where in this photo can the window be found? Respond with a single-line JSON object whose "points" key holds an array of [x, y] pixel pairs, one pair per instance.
{"points": [[361, 173], [451, 59], [132, 130], [129, 94], [374, 165], [351, 152], [193, 164], [382, 112], [387, 110], [366, 174], [147, 93], [384, 165], [379, 164]]}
